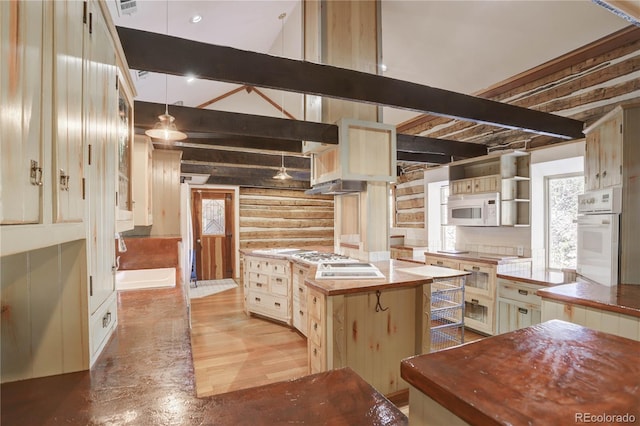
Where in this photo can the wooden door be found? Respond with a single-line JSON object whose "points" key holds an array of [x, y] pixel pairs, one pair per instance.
{"points": [[213, 222]]}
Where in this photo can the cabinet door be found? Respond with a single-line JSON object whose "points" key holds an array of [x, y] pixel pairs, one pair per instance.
{"points": [[101, 107], [592, 161], [21, 71], [481, 281], [610, 149], [68, 157], [513, 315]]}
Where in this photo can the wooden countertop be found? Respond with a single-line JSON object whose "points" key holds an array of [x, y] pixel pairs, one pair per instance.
{"points": [[335, 397], [394, 277], [545, 374], [543, 277], [488, 258], [623, 298]]}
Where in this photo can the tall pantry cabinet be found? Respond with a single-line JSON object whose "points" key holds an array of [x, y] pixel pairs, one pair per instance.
{"points": [[61, 72]]}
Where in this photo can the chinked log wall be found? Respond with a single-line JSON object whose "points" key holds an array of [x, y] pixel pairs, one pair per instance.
{"points": [[410, 200], [284, 218], [584, 85]]}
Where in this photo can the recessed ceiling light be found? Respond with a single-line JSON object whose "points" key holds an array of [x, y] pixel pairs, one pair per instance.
{"points": [[383, 67], [195, 19], [190, 78]]}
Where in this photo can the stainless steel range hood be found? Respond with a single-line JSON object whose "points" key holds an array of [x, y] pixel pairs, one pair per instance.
{"points": [[338, 187]]}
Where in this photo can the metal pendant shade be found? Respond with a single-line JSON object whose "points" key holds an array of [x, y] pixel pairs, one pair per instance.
{"points": [[282, 173], [165, 128]]}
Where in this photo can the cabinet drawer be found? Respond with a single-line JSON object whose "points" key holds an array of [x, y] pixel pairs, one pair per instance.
{"points": [[103, 322], [257, 285], [520, 292], [514, 315], [268, 304], [479, 313], [279, 285], [257, 265], [300, 293], [280, 268], [259, 278], [315, 332], [300, 319], [442, 262], [481, 280], [315, 305], [317, 362]]}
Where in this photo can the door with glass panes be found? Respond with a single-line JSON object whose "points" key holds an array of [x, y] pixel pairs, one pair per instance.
{"points": [[213, 233]]}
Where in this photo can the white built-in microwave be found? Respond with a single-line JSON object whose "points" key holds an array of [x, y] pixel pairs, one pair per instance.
{"points": [[474, 209]]}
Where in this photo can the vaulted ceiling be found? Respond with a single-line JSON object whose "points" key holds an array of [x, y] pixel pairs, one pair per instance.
{"points": [[457, 46]]}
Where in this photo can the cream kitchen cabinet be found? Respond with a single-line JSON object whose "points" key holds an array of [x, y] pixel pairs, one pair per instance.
{"points": [[603, 153], [299, 289], [24, 34], [268, 284], [518, 306], [142, 189]]}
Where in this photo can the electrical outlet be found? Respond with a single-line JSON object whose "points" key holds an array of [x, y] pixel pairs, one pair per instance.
{"points": [[520, 250]]}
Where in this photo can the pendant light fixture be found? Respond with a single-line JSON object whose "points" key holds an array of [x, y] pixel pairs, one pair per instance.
{"points": [[165, 128], [282, 173]]}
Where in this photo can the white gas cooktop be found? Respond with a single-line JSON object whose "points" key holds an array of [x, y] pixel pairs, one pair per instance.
{"points": [[347, 270]]}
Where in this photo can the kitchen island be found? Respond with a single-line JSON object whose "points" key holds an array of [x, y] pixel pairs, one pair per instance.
{"points": [[367, 324], [370, 325], [614, 310], [548, 374]]}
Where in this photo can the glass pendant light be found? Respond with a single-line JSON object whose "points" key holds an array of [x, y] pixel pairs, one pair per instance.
{"points": [[282, 173], [165, 128]]}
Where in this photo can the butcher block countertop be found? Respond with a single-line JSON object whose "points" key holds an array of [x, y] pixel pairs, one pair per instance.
{"points": [[546, 374], [336, 397], [623, 298], [396, 275]]}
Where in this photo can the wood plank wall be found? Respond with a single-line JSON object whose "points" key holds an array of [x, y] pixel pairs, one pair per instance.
{"points": [[284, 218], [166, 193], [410, 210], [585, 84]]}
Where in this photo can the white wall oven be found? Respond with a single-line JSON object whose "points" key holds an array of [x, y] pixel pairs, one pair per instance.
{"points": [[474, 209], [598, 235]]}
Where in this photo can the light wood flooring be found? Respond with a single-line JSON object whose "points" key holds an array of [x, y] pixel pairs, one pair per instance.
{"points": [[233, 351]]}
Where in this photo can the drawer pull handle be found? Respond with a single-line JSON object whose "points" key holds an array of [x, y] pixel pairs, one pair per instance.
{"points": [[476, 268], [301, 313], [314, 300], [475, 301], [279, 280], [315, 351], [301, 289], [258, 285], [315, 325], [277, 304], [439, 262], [300, 271], [257, 299], [523, 311], [523, 292]]}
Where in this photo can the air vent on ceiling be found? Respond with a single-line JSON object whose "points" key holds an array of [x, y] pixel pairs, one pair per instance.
{"points": [[128, 7], [142, 74]]}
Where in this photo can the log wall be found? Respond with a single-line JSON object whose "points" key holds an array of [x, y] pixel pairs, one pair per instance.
{"points": [[284, 218], [410, 211]]}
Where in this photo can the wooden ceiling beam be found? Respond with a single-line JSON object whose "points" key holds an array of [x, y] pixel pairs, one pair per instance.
{"points": [[232, 158], [258, 132], [248, 177], [228, 64]]}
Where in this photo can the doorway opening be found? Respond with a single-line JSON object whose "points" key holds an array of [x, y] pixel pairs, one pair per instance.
{"points": [[213, 219]]}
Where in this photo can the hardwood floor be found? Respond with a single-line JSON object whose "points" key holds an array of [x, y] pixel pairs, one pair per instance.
{"points": [[232, 351]]}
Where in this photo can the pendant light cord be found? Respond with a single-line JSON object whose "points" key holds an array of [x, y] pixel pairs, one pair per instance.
{"points": [[166, 78]]}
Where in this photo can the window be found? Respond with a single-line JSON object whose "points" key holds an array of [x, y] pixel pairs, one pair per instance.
{"points": [[562, 210], [212, 217]]}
